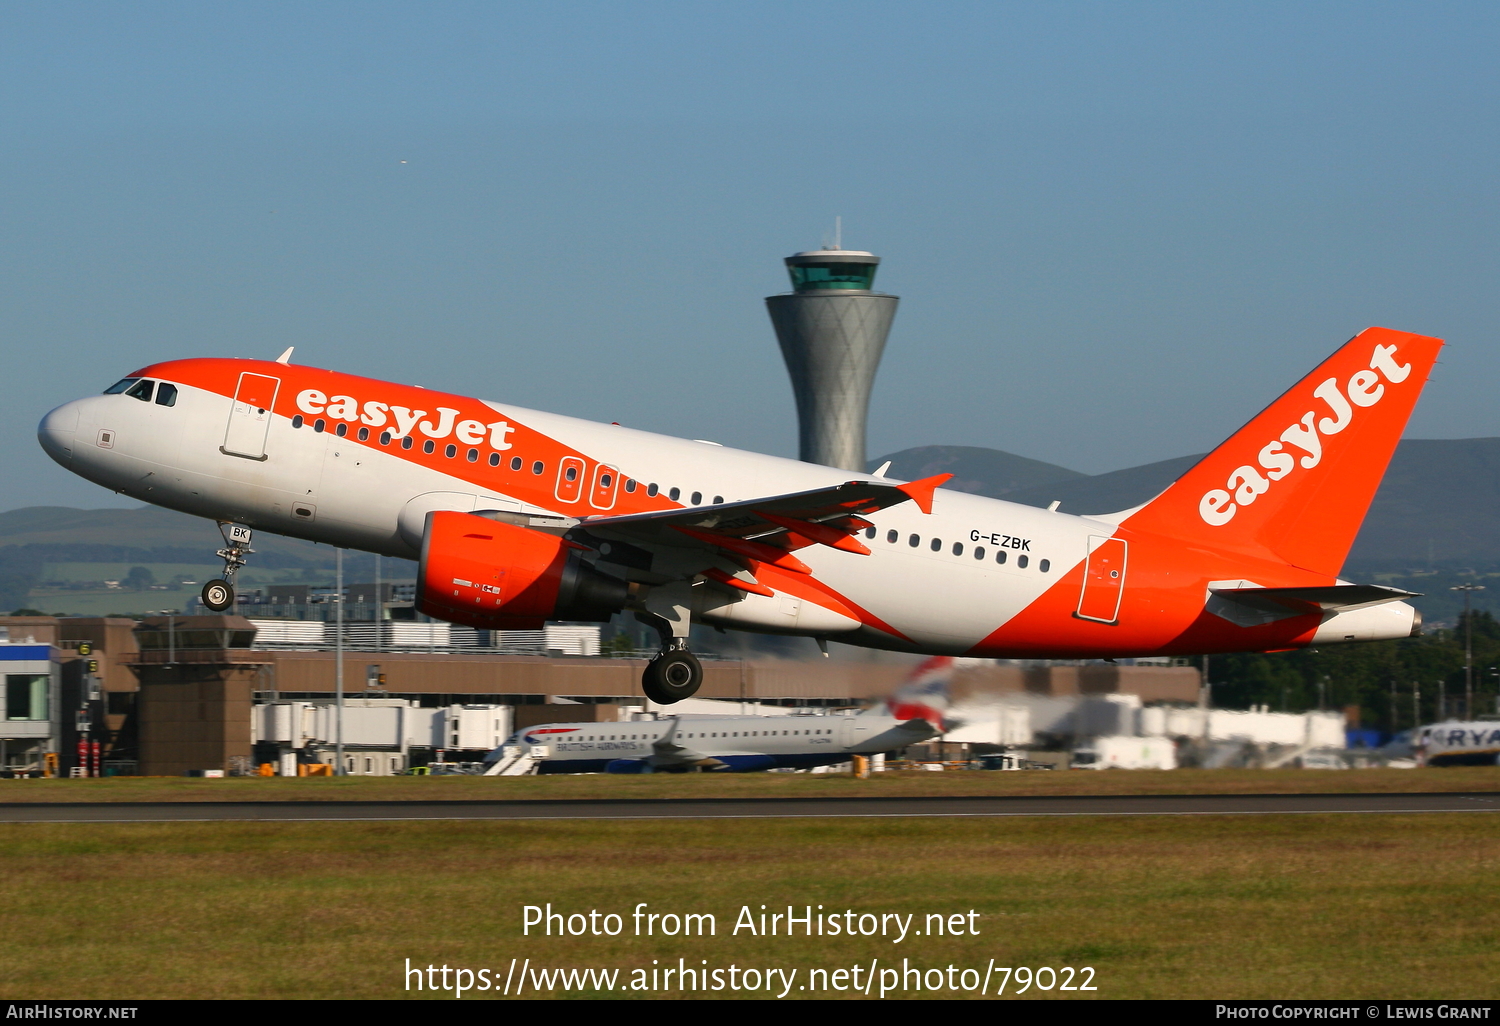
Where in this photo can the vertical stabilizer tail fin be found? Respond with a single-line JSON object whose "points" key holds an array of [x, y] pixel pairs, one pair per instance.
{"points": [[1295, 483], [924, 695]]}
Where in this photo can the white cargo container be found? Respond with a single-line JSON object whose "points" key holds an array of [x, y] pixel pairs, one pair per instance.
{"points": [[1099, 715], [1259, 726], [1004, 724]]}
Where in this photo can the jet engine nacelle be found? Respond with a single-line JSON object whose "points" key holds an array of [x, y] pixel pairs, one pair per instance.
{"points": [[497, 576]]}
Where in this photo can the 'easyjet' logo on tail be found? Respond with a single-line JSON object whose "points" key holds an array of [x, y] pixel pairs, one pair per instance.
{"points": [[1246, 484]]}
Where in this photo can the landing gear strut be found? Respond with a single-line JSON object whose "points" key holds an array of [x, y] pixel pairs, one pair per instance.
{"points": [[218, 594], [674, 673]]}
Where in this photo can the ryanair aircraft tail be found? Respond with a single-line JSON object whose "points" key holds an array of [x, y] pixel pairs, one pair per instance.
{"points": [[1294, 484]]}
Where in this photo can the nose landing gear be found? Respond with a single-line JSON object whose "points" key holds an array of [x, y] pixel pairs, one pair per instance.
{"points": [[218, 594]]}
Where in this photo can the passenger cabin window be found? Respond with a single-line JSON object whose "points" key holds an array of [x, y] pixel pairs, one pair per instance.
{"points": [[538, 467], [651, 489], [1044, 565], [1021, 561], [937, 544], [515, 463], [406, 443], [341, 430], [385, 438], [915, 540], [364, 434], [120, 386], [958, 548], [674, 493], [718, 500], [494, 459], [1000, 556], [297, 421], [869, 532], [451, 451], [428, 446], [142, 390], [891, 536], [473, 455], [166, 395], [979, 552], [630, 484], [319, 424], [697, 499]]}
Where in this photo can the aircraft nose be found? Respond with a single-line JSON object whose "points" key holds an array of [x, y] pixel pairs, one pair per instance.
{"points": [[57, 430]]}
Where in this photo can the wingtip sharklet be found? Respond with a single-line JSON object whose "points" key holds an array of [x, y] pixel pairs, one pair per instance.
{"points": [[921, 491]]}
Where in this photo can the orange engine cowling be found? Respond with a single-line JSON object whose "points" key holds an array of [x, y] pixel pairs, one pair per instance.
{"points": [[497, 576]]}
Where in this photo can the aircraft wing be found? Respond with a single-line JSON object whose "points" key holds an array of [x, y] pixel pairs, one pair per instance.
{"points": [[667, 752], [1333, 598], [768, 530]]}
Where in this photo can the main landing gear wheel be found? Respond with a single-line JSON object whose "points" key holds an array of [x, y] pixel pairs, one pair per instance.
{"points": [[672, 676], [218, 595]]}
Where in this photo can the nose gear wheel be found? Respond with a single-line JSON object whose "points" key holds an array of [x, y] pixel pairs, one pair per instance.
{"points": [[218, 595]]}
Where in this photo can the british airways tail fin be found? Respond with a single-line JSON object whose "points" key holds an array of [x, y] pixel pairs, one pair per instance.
{"points": [[924, 694], [1294, 484]]}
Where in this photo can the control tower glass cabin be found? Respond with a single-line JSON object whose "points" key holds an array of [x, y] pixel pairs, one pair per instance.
{"points": [[832, 329]]}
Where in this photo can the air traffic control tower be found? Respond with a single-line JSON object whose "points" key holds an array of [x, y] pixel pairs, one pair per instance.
{"points": [[832, 331]]}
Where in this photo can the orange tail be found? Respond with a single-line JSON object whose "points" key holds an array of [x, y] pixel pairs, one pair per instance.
{"points": [[1294, 484]]}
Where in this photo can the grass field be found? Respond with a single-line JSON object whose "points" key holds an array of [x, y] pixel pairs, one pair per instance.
{"points": [[748, 785], [1360, 907]]}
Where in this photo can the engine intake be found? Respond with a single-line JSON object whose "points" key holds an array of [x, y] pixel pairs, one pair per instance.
{"points": [[497, 576]]}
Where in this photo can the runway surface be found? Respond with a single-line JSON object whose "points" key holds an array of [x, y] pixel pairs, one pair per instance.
{"points": [[748, 808]]}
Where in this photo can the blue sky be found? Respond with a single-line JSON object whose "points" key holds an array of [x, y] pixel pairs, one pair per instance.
{"points": [[1118, 230]]}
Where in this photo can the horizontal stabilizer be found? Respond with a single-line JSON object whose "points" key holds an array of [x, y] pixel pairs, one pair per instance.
{"points": [[919, 729], [1333, 598]]}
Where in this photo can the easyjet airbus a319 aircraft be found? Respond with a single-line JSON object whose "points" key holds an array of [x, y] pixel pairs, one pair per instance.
{"points": [[518, 517]]}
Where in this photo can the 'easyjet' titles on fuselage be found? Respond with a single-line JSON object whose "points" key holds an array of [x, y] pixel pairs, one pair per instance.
{"points": [[403, 419]]}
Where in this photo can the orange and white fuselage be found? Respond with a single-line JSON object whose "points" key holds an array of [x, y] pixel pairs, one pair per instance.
{"points": [[361, 463]]}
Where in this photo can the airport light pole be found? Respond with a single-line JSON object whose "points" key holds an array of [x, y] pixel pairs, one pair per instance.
{"points": [[1468, 590], [379, 603], [338, 662]]}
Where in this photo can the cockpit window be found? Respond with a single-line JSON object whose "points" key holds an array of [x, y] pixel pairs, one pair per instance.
{"points": [[142, 390], [166, 395], [120, 386]]}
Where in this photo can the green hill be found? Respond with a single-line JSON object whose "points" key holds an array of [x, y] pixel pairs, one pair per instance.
{"points": [[56, 558]]}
